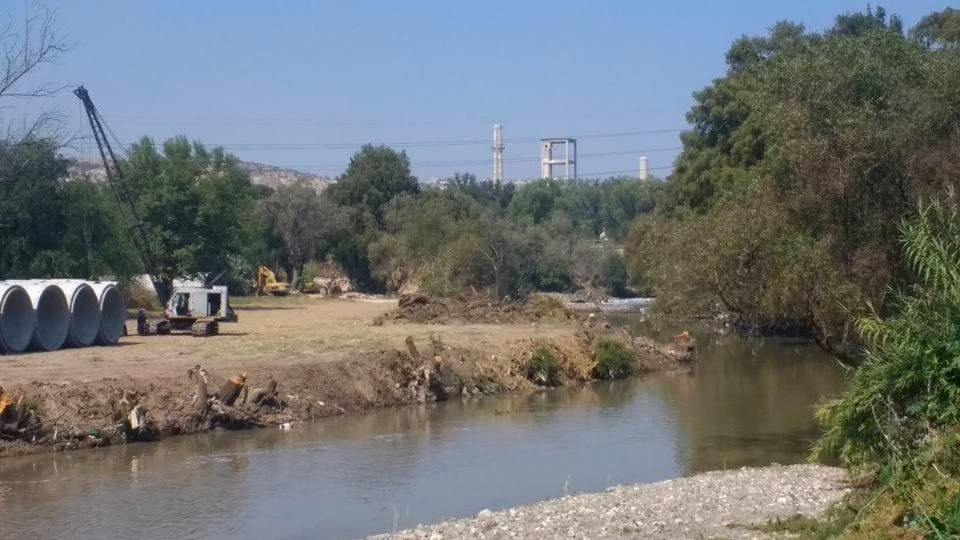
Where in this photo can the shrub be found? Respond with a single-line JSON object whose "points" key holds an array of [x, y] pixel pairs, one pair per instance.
{"points": [[614, 360], [543, 369], [901, 412]]}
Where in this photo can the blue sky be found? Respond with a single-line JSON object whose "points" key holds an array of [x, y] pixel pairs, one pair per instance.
{"points": [[311, 73]]}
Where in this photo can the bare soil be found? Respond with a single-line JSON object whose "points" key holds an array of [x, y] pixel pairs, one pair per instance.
{"points": [[327, 357]]}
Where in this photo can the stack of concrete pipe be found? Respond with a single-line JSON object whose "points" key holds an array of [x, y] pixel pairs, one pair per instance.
{"points": [[48, 314]]}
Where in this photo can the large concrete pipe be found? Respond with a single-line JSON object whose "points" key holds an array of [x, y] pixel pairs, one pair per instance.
{"points": [[17, 318], [113, 312], [84, 311], [52, 314]]}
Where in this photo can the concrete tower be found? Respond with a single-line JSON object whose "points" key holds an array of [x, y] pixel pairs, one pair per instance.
{"points": [[552, 156], [497, 153], [644, 168]]}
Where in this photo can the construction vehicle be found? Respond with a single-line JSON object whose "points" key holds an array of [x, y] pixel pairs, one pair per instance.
{"points": [[267, 283], [197, 309]]}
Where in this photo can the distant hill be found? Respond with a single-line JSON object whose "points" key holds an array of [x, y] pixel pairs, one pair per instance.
{"points": [[269, 175], [261, 174]]}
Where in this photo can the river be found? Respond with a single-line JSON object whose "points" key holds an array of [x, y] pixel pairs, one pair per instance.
{"points": [[746, 402]]}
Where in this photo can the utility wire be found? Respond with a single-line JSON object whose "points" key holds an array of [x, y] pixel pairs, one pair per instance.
{"points": [[531, 159], [419, 144], [581, 176]]}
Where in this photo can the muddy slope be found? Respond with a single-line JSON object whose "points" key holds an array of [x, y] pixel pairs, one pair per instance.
{"points": [[45, 416]]}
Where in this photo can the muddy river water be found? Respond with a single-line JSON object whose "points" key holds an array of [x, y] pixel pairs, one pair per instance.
{"points": [[747, 402]]}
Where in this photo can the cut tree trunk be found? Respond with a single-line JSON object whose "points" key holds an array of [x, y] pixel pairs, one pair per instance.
{"points": [[230, 391]]}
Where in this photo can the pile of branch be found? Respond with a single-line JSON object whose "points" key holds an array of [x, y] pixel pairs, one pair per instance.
{"points": [[234, 404]]}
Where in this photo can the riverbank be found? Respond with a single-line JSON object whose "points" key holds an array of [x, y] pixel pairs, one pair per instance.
{"points": [[325, 357], [721, 504]]}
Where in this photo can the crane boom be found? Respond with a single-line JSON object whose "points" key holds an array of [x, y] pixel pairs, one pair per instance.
{"points": [[128, 211]]}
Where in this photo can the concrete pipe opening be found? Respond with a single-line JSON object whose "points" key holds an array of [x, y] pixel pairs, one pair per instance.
{"points": [[113, 312], [17, 319], [84, 312], [52, 314]]}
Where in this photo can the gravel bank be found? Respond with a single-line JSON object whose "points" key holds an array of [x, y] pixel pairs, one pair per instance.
{"points": [[722, 504]]}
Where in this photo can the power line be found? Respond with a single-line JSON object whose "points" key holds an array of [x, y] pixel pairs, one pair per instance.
{"points": [[419, 144], [534, 159], [581, 176]]}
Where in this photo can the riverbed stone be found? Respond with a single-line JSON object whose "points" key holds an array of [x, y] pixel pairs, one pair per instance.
{"points": [[721, 504]]}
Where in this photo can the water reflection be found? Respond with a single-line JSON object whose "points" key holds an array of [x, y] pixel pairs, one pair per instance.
{"points": [[748, 403]]}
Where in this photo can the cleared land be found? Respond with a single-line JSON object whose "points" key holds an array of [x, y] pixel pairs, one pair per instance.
{"points": [[271, 332]]}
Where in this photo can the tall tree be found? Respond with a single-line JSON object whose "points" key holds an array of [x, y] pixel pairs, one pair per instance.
{"points": [[194, 203], [306, 223], [375, 175], [940, 29]]}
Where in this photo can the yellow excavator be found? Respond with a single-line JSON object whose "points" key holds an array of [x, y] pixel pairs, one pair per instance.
{"points": [[267, 283]]}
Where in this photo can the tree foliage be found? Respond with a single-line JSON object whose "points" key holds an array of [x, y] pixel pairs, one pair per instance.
{"points": [[306, 224], [940, 29], [375, 175], [197, 207], [799, 165]]}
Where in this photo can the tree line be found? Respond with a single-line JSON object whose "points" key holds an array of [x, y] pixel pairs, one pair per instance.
{"points": [[203, 216]]}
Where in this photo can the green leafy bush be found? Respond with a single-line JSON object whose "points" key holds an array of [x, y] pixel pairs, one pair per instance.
{"points": [[614, 360], [901, 412], [543, 369]]}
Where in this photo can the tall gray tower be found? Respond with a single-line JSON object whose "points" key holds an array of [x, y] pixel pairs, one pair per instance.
{"points": [[497, 153]]}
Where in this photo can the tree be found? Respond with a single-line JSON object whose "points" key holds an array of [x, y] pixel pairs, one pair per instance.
{"points": [[486, 192], [305, 222], [507, 253], [940, 29], [534, 202], [196, 206], [748, 51], [375, 175], [861, 23], [94, 236], [784, 203], [31, 208]]}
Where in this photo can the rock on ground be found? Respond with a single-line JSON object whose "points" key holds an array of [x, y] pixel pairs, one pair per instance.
{"points": [[721, 504]]}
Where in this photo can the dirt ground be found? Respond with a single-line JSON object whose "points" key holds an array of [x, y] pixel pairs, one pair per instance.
{"points": [[324, 356], [271, 331]]}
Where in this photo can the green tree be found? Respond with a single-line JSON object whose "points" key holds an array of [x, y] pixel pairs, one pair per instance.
{"points": [[196, 206], [94, 237], [863, 22], [939, 29], [486, 192], [306, 224], [375, 175], [535, 201], [785, 200], [32, 203]]}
